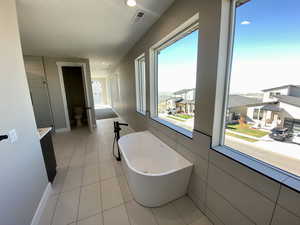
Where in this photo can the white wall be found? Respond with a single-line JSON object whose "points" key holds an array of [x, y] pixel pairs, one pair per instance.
{"points": [[22, 171]]}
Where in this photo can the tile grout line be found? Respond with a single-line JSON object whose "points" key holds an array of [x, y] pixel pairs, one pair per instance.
{"points": [[233, 206], [124, 202], [59, 195], [275, 206], [152, 212], [100, 184], [80, 190], [239, 180]]}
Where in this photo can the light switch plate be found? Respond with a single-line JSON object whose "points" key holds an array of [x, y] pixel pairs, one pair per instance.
{"points": [[12, 135]]}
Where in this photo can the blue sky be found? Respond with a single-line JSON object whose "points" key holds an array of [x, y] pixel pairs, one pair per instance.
{"points": [[266, 50], [178, 64]]}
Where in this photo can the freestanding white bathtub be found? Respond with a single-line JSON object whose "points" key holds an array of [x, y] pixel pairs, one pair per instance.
{"points": [[156, 173]]}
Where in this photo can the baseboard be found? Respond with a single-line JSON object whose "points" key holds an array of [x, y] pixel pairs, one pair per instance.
{"points": [[41, 207], [60, 130]]}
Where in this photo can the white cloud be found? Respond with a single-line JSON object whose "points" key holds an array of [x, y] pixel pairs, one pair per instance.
{"points": [[245, 22]]}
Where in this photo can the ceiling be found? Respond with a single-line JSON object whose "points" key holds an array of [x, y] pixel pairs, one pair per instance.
{"points": [[101, 30]]}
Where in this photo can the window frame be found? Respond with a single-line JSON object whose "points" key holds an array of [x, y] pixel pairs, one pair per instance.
{"points": [[180, 32], [218, 137], [140, 84]]}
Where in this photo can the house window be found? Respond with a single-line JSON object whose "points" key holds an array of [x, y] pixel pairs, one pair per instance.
{"points": [[264, 63], [140, 84], [274, 94], [173, 75], [255, 114]]}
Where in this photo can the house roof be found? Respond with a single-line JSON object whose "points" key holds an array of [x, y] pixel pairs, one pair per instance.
{"points": [[184, 101], [289, 100], [175, 99], [180, 92], [281, 87], [271, 107], [239, 101]]}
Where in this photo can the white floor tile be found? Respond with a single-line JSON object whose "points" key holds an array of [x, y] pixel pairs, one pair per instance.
{"points": [[93, 220], [91, 157], [116, 216], [90, 174], [126, 193], [90, 201], [139, 215], [67, 207], [73, 178], [63, 162], [107, 170], [77, 160], [187, 210], [111, 193], [202, 221], [118, 168], [59, 180], [167, 215]]}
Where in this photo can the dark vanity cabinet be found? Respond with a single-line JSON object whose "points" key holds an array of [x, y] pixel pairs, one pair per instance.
{"points": [[49, 156]]}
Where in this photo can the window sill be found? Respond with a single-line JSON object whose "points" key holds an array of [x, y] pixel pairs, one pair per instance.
{"points": [[142, 113], [178, 129], [283, 177]]}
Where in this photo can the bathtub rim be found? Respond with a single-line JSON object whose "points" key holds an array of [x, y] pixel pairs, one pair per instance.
{"points": [[152, 174]]}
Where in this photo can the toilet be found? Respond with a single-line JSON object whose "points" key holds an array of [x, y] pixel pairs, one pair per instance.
{"points": [[78, 113]]}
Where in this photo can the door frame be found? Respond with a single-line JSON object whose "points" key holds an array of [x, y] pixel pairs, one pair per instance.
{"points": [[83, 67]]}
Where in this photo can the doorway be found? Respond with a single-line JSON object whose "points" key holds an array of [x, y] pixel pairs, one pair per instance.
{"points": [[74, 89], [73, 80]]}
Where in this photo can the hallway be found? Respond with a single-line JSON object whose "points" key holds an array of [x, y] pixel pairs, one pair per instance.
{"points": [[91, 188]]}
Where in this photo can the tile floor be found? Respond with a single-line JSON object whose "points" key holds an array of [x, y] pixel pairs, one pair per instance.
{"points": [[90, 187]]}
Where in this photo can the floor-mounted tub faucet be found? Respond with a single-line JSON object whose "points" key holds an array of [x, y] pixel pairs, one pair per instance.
{"points": [[117, 130]]}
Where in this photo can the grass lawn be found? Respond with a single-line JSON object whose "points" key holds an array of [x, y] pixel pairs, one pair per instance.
{"points": [[184, 116], [176, 118], [241, 137], [247, 130]]}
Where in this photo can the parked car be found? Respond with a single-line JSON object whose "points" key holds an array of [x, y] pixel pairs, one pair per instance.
{"points": [[232, 122], [281, 134], [171, 111]]}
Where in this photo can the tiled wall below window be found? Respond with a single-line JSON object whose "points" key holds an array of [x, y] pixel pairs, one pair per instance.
{"points": [[226, 191]]}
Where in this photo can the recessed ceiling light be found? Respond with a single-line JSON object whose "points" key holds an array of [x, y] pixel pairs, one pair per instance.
{"points": [[246, 22], [131, 3]]}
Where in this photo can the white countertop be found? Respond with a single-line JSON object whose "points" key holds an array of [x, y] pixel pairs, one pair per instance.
{"points": [[43, 131]]}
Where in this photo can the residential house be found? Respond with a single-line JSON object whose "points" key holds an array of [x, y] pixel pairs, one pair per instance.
{"points": [[280, 108], [238, 106], [182, 101]]}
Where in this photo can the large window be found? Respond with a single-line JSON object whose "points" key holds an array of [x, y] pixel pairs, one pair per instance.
{"points": [[175, 66], [140, 84], [264, 86]]}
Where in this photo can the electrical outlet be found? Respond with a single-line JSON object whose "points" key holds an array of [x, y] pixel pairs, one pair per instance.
{"points": [[12, 135]]}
